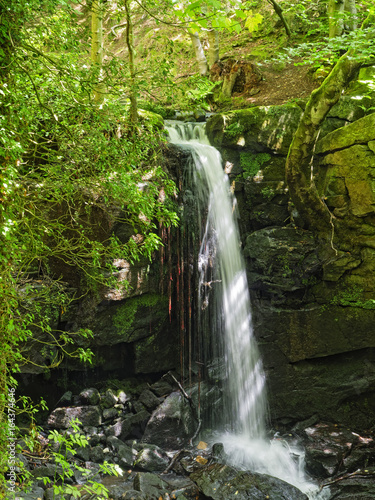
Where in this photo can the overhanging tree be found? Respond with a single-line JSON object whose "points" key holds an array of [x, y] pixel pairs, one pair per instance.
{"points": [[310, 206], [62, 163]]}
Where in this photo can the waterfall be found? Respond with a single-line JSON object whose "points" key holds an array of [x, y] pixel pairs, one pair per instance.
{"points": [[223, 292]]}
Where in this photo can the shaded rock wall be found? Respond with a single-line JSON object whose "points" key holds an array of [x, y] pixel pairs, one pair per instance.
{"points": [[313, 301]]}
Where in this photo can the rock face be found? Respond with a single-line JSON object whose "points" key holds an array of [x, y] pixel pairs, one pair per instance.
{"points": [[313, 300]]}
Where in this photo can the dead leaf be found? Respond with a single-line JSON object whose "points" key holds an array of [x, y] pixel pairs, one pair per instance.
{"points": [[201, 460], [202, 445]]}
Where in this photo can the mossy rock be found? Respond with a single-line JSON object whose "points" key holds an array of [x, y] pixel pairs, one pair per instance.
{"points": [[259, 128], [355, 166], [349, 108], [130, 320], [151, 119], [360, 132]]}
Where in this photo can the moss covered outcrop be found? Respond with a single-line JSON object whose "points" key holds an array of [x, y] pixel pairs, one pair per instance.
{"points": [[259, 128]]}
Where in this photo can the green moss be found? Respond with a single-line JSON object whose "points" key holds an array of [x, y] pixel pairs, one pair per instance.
{"points": [[234, 130], [268, 193], [124, 318], [251, 163], [352, 297]]}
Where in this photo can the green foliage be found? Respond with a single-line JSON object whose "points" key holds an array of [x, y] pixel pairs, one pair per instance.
{"points": [[65, 467], [253, 21], [307, 16], [326, 51], [70, 172], [268, 193], [251, 163]]}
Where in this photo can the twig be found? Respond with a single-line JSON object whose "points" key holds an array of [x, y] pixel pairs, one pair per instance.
{"points": [[174, 460], [358, 472]]}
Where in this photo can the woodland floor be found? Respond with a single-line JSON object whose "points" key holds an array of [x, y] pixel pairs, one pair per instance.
{"points": [[280, 86]]}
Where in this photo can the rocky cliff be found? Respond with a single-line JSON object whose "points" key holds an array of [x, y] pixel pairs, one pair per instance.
{"points": [[313, 300]]}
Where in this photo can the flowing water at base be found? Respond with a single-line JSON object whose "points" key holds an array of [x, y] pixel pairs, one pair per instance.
{"points": [[224, 292]]}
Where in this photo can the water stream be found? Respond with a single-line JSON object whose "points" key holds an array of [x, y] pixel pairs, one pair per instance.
{"points": [[223, 288]]}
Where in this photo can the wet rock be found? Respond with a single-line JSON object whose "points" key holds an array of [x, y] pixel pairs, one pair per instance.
{"points": [[133, 495], [150, 485], [181, 487], [49, 494], [122, 397], [65, 399], [114, 442], [131, 425], [362, 455], [333, 450], [162, 388], [120, 491], [126, 454], [357, 486], [326, 448], [60, 418], [83, 452], [222, 482], [152, 458], [48, 470], [171, 424]]}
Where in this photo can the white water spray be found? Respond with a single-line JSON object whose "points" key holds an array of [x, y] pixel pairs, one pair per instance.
{"points": [[245, 406]]}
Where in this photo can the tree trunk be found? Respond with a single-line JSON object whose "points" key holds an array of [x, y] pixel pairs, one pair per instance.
{"points": [[279, 12], [131, 52], [199, 53], [335, 15], [213, 47], [336, 11], [350, 7], [97, 49], [311, 208]]}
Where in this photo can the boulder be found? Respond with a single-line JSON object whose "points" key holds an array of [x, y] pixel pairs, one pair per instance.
{"points": [[172, 424], [108, 399], [131, 425], [326, 447], [60, 418], [150, 485], [89, 396], [149, 400], [263, 128], [152, 458], [221, 482]]}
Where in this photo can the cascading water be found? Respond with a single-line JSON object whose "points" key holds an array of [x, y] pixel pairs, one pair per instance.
{"points": [[223, 288]]}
